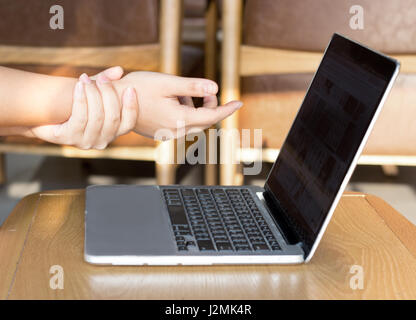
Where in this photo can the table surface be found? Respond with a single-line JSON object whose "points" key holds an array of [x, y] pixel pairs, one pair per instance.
{"points": [[47, 229]]}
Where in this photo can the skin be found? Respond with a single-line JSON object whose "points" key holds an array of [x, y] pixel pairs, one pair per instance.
{"points": [[110, 118], [91, 112]]}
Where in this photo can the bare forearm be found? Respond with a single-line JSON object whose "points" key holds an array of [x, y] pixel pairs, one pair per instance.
{"points": [[30, 99]]}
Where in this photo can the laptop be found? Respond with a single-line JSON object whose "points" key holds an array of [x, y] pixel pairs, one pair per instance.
{"points": [[281, 223]]}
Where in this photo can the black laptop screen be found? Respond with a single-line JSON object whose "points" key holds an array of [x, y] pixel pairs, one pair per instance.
{"points": [[327, 132]]}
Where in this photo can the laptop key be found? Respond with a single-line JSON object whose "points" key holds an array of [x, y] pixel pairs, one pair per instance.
{"points": [[242, 248], [187, 192], [205, 245], [190, 244], [224, 247], [177, 215], [258, 247]]}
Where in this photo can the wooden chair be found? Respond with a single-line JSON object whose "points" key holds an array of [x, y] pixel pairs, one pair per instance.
{"points": [[200, 26], [211, 65], [148, 37], [271, 49]]}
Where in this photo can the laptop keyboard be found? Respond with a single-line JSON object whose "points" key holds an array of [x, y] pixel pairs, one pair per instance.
{"points": [[217, 219]]}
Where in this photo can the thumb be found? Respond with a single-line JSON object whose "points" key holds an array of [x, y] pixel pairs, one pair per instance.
{"points": [[208, 116], [49, 133]]}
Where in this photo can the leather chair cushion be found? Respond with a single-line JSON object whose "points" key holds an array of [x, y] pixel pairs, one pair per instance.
{"points": [[194, 8], [191, 66], [389, 26], [86, 23], [272, 101]]}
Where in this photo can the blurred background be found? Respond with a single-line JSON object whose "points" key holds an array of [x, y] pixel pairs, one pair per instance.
{"points": [[263, 52]]}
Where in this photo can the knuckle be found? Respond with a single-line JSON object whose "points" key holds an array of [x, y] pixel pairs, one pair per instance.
{"points": [[99, 118], [194, 86], [115, 119], [82, 119]]}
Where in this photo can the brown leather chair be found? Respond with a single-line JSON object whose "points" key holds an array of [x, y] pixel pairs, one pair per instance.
{"points": [[137, 35], [271, 62]]}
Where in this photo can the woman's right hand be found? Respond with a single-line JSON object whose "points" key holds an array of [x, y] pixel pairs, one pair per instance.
{"points": [[166, 102]]}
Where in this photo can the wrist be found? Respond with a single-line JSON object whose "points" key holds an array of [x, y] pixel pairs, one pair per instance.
{"points": [[17, 131]]}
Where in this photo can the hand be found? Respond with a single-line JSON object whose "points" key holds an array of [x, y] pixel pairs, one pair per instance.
{"points": [[97, 117], [165, 100]]}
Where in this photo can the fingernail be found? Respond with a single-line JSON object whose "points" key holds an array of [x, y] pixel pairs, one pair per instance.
{"points": [[210, 88], [79, 89], [102, 78], [84, 78], [115, 68], [239, 104]]}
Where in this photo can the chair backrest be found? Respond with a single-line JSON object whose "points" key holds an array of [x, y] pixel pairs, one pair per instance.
{"points": [[86, 23], [96, 34], [389, 26]]}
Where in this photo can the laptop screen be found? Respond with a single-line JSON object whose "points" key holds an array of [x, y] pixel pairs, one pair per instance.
{"points": [[327, 132]]}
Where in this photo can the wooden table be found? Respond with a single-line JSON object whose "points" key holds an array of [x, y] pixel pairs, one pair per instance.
{"points": [[47, 229]]}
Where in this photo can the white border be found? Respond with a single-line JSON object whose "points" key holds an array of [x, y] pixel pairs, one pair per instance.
{"points": [[194, 260]]}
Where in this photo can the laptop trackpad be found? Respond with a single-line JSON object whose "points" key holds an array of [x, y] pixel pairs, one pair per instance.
{"points": [[127, 220]]}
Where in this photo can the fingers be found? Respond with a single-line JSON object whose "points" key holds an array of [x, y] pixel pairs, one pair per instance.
{"points": [[113, 73], [111, 108], [187, 101], [130, 112], [210, 101], [97, 117], [95, 113], [205, 117], [79, 115], [192, 87]]}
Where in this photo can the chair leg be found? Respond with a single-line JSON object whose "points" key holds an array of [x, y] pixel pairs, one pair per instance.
{"points": [[210, 167], [211, 22], [239, 176], [2, 168], [211, 18], [165, 173], [165, 163], [210, 174], [230, 82], [231, 175], [390, 170]]}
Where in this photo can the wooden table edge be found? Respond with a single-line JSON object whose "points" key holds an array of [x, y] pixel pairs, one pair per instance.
{"points": [[398, 224]]}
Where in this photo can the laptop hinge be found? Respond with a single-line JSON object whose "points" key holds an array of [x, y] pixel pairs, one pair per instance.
{"points": [[281, 220]]}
